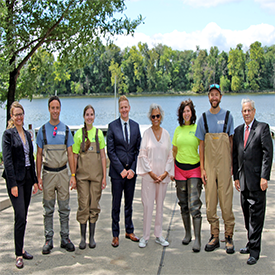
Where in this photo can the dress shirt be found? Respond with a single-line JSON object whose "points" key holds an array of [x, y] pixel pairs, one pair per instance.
{"points": [[128, 128]]}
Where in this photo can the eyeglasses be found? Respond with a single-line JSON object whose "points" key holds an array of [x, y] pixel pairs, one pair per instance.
{"points": [[247, 111], [18, 115], [54, 131], [155, 116], [214, 86]]}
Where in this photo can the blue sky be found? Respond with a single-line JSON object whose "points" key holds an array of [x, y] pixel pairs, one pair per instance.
{"points": [[183, 24]]}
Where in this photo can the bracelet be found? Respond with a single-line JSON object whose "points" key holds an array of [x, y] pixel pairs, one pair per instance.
{"points": [[73, 175]]}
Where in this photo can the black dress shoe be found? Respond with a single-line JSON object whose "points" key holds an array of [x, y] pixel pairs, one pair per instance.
{"points": [[244, 250], [19, 263], [27, 255], [251, 260]]}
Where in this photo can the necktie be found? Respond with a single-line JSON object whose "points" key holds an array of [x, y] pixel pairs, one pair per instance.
{"points": [[246, 134], [126, 132]]}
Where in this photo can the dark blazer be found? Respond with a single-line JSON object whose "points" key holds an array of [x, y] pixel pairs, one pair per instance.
{"points": [[253, 162], [14, 157], [122, 155]]}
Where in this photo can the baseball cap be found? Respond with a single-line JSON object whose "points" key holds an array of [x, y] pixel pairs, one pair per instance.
{"points": [[215, 86]]}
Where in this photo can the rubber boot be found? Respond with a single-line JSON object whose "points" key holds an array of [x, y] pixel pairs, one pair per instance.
{"points": [[83, 228], [197, 231], [187, 226], [92, 243]]}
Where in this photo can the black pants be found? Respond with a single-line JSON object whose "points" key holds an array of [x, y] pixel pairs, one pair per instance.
{"points": [[118, 186], [20, 205], [253, 205]]}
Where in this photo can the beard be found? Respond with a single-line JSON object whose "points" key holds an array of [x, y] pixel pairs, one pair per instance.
{"points": [[215, 106]]}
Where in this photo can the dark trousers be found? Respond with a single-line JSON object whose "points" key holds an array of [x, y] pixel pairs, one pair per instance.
{"points": [[20, 205], [118, 186], [253, 205]]}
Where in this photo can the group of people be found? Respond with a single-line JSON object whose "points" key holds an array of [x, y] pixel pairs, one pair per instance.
{"points": [[203, 154]]}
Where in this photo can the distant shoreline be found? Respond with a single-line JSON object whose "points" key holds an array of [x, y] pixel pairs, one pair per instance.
{"points": [[190, 93]]}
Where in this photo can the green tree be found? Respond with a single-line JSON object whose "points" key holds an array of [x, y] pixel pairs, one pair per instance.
{"points": [[69, 27], [37, 76], [269, 77], [236, 68], [198, 70], [212, 66]]}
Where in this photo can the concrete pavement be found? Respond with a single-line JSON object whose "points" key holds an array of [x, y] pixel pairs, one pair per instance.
{"points": [[128, 258]]}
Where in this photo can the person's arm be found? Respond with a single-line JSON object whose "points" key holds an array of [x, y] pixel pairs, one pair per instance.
{"points": [[39, 167], [267, 150], [235, 163], [203, 172], [231, 152], [175, 151], [111, 151], [75, 161], [72, 167], [104, 167]]}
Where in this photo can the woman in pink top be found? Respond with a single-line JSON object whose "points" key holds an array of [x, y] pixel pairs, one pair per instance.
{"points": [[155, 165]]}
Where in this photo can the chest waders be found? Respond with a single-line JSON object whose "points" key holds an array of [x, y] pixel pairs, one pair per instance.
{"points": [[55, 180], [89, 175], [219, 185]]}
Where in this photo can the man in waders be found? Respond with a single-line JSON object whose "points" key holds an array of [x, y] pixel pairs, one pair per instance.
{"points": [[54, 149], [215, 130]]}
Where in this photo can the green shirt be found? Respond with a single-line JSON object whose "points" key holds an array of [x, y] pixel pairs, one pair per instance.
{"points": [[91, 136], [187, 143]]}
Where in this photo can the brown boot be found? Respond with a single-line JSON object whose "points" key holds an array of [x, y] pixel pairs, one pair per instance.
{"points": [[212, 244]]}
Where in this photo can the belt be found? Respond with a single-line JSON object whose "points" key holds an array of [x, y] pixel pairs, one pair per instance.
{"points": [[55, 169]]}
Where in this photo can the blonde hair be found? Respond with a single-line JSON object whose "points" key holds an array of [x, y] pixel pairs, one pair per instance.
{"points": [[123, 98], [14, 105]]}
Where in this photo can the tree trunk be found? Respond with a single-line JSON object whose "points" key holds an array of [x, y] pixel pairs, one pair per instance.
{"points": [[11, 91]]}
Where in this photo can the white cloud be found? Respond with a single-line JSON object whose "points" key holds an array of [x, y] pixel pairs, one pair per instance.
{"points": [[211, 35], [268, 5], [208, 3]]}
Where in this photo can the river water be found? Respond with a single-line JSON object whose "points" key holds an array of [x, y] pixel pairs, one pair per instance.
{"points": [[72, 109]]}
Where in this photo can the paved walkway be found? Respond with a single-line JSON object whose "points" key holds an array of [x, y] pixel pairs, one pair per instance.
{"points": [[128, 258]]}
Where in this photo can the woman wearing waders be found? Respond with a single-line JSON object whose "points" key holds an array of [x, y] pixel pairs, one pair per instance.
{"points": [[187, 172], [90, 161]]}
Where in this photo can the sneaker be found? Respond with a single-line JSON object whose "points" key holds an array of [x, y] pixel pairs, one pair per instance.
{"points": [[48, 246], [212, 244], [229, 245], [67, 244], [142, 243], [160, 240]]}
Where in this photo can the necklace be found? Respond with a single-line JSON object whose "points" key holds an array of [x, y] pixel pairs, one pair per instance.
{"points": [[157, 133]]}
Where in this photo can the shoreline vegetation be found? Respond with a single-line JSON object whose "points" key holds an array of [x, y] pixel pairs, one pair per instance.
{"points": [[148, 94]]}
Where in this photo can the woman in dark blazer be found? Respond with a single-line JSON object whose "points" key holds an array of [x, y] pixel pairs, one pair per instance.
{"points": [[19, 174]]}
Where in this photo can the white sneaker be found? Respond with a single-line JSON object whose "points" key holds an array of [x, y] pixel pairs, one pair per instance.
{"points": [[161, 241], [142, 243]]}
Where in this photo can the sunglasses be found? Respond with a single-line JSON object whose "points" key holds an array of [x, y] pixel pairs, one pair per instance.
{"points": [[214, 86], [54, 131], [155, 116]]}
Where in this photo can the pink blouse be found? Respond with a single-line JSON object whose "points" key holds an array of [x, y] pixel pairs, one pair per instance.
{"points": [[155, 156]]}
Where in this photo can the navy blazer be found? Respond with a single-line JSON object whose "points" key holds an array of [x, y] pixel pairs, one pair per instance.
{"points": [[14, 157], [253, 162], [121, 154]]}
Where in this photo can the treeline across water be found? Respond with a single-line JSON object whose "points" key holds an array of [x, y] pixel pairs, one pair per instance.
{"points": [[161, 69]]}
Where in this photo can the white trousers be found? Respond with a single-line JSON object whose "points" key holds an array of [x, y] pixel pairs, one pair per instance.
{"points": [[151, 192]]}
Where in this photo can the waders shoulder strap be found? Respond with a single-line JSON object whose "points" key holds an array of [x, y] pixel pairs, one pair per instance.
{"points": [[66, 136], [44, 135], [226, 121], [97, 142], [205, 123]]}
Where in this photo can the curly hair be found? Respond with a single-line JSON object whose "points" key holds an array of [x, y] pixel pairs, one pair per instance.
{"points": [[183, 104]]}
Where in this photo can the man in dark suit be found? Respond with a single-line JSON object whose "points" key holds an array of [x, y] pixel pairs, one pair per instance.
{"points": [[123, 141], [252, 161]]}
